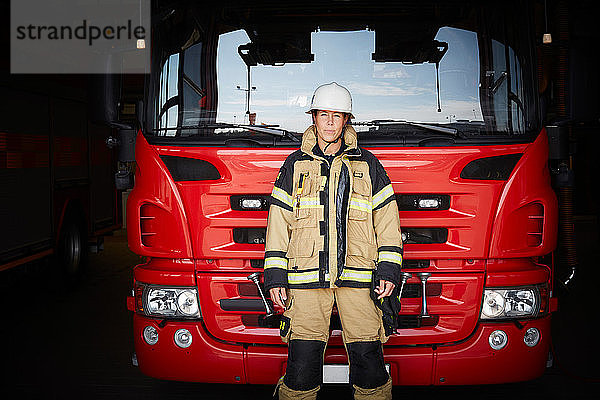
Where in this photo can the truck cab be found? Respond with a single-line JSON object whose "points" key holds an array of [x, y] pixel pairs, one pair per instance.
{"points": [[445, 95]]}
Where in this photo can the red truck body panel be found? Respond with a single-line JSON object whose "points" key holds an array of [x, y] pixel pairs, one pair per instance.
{"points": [[186, 230], [468, 362]]}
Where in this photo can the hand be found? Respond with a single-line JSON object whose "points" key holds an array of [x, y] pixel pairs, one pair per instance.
{"points": [[278, 296], [384, 289]]}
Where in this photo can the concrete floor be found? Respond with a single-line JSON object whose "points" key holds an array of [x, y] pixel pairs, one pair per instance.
{"points": [[61, 343]]}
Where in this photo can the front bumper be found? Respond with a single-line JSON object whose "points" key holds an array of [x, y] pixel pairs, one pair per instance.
{"points": [[468, 362], [206, 360]]}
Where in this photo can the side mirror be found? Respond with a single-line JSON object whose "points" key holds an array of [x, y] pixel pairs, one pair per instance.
{"points": [[125, 144], [558, 142], [104, 97], [126, 149], [104, 94], [560, 150]]}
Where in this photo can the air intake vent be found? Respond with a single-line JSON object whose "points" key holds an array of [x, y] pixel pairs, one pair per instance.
{"points": [[190, 169], [409, 235], [414, 290], [256, 321], [248, 289], [404, 321], [414, 321], [491, 168], [249, 235], [148, 226], [535, 224], [153, 220], [414, 264], [527, 228], [424, 235]]}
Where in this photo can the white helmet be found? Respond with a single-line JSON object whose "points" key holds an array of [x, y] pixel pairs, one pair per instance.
{"points": [[332, 97]]}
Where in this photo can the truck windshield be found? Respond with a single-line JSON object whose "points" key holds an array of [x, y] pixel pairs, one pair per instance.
{"points": [[463, 72]]}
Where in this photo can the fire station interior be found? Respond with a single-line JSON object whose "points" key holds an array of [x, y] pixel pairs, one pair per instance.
{"points": [[66, 338]]}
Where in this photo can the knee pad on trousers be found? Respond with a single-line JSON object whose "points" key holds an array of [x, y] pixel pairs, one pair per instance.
{"points": [[305, 364], [367, 368]]}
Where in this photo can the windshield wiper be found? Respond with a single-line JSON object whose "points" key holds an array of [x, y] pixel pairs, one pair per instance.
{"points": [[436, 128], [269, 130]]}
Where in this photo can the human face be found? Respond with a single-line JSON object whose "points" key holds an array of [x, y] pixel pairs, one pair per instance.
{"points": [[329, 124]]}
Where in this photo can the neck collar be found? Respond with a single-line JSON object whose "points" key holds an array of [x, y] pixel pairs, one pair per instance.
{"points": [[349, 146]]}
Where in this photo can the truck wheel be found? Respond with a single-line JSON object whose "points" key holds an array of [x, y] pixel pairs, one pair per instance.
{"points": [[72, 249]]}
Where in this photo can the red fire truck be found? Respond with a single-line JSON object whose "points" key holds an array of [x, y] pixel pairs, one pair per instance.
{"points": [[58, 190], [445, 95]]}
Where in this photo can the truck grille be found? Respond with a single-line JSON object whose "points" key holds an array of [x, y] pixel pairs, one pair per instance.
{"points": [[404, 321], [410, 291], [406, 202], [453, 298], [409, 235]]}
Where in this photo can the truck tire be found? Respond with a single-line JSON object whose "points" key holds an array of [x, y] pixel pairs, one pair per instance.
{"points": [[72, 249]]}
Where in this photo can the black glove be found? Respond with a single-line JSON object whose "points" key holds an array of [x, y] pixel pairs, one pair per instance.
{"points": [[390, 306]]}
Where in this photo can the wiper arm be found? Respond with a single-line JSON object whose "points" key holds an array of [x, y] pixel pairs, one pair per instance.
{"points": [[495, 85], [256, 128], [441, 129]]}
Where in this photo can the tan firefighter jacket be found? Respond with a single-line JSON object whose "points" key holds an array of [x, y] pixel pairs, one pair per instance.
{"points": [[332, 225]]}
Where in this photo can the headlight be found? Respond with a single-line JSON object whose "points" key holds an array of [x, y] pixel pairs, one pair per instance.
{"points": [[168, 302], [187, 302], [510, 303]]}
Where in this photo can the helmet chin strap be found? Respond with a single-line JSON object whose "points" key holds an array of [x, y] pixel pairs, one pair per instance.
{"points": [[330, 142]]}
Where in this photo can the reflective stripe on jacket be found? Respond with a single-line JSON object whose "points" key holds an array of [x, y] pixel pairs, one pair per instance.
{"points": [[332, 224]]}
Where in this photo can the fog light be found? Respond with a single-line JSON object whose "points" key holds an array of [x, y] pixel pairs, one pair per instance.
{"points": [[183, 338], [251, 204], [150, 335], [498, 339], [532, 337]]}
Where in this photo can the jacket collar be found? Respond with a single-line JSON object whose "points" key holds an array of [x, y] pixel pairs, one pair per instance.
{"points": [[309, 141]]}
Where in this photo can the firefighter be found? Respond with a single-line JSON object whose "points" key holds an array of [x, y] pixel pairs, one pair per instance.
{"points": [[333, 236]]}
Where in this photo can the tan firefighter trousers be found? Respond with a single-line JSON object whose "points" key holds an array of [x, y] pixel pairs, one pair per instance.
{"points": [[309, 311]]}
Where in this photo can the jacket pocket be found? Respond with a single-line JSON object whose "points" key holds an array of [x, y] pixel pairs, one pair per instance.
{"points": [[356, 214], [360, 200], [361, 186], [306, 205], [363, 249], [302, 244]]}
